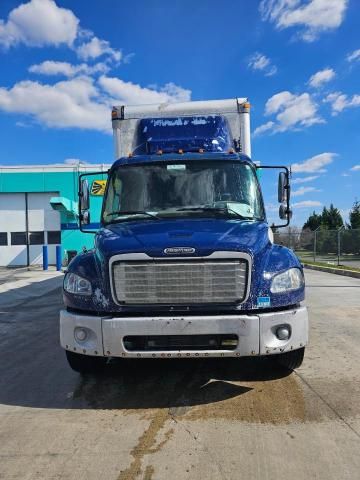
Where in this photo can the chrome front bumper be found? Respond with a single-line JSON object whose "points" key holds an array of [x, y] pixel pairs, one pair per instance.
{"points": [[256, 333]]}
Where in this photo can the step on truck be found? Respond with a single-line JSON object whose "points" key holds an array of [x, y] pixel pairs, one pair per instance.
{"points": [[184, 263]]}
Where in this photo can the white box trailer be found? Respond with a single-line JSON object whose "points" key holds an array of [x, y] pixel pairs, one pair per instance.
{"points": [[125, 120]]}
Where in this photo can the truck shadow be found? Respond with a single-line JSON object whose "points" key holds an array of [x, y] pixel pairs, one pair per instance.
{"points": [[34, 372], [147, 384]]}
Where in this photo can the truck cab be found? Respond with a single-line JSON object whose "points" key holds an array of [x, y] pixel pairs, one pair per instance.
{"points": [[184, 263]]}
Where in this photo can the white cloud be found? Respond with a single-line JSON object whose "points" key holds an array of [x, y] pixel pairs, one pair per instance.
{"points": [[354, 56], [96, 48], [264, 128], [75, 161], [260, 62], [344, 212], [321, 77], [132, 93], [39, 23], [314, 164], [127, 58], [276, 102], [292, 112], [340, 101], [355, 168], [306, 204], [272, 207], [80, 102], [22, 124], [344, 174], [313, 17], [302, 190], [71, 103], [50, 67], [304, 180]]}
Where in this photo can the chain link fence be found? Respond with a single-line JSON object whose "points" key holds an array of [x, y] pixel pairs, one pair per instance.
{"points": [[333, 247]]}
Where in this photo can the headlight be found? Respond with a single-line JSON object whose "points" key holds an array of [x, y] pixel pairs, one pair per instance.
{"points": [[75, 284], [292, 279]]}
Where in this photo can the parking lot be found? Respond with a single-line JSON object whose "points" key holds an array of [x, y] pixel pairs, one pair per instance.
{"points": [[181, 419]]}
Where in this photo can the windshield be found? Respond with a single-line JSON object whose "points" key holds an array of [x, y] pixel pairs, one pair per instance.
{"points": [[193, 188]]}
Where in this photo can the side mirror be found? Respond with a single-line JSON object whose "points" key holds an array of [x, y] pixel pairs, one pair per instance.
{"points": [[84, 197], [84, 203], [283, 188], [85, 217], [285, 212]]}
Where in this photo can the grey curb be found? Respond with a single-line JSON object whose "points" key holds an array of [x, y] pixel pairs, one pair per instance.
{"points": [[337, 271]]}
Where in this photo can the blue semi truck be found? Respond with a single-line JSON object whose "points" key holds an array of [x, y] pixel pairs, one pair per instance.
{"points": [[184, 263]]}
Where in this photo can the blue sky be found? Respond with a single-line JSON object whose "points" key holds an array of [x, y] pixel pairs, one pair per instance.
{"points": [[64, 64]]}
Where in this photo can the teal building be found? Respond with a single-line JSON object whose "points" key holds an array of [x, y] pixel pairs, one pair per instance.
{"points": [[39, 206]]}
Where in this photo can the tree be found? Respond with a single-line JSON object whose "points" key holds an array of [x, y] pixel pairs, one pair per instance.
{"points": [[355, 215], [313, 222], [331, 218]]}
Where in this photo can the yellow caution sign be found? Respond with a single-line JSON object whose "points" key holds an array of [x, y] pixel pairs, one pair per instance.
{"points": [[98, 187]]}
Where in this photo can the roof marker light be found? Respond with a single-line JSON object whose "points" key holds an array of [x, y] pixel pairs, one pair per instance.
{"points": [[181, 151], [159, 152]]}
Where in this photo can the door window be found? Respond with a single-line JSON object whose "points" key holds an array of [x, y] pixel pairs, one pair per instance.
{"points": [[54, 238], [18, 238], [3, 239], [36, 238]]}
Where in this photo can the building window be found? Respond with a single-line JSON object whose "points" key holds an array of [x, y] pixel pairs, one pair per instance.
{"points": [[36, 238], [18, 238], [3, 239], [54, 238]]}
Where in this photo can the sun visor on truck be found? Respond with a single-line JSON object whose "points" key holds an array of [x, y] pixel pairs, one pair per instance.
{"points": [[189, 134]]}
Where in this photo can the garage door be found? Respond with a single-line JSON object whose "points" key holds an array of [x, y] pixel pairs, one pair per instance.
{"points": [[27, 223]]}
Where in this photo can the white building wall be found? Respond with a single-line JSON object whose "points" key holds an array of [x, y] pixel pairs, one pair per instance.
{"points": [[41, 218]]}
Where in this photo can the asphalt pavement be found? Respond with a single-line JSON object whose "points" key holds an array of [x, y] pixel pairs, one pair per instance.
{"points": [[180, 419]]}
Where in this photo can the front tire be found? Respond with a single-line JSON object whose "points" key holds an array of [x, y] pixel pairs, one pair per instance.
{"points": [[292, 359], [85, 363]]}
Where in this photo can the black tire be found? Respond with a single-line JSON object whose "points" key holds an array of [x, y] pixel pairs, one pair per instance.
{"points": [[85, 363], [292, 359]]}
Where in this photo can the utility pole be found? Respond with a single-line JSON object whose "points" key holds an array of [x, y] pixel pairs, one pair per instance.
{"points": [[315, 231], [339, 242]]}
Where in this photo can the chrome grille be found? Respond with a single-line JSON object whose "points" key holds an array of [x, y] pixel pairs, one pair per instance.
{"points": [[180, 282]]}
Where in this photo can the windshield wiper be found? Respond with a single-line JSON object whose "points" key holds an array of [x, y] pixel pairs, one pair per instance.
{"points": [[134, 212], [214, 209]]}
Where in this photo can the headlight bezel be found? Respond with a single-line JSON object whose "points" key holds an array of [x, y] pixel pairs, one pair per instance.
{"points": [[77, 285], [288, 281]]}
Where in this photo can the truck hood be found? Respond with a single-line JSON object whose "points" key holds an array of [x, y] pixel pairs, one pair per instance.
{"points": [[204, 235]]}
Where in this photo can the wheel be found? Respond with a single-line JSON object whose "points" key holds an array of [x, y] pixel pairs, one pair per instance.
{"points": [[85, 363], [292, 359]]}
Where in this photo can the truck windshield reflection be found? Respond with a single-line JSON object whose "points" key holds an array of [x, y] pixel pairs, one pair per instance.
{"points": [[196, 188]]}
